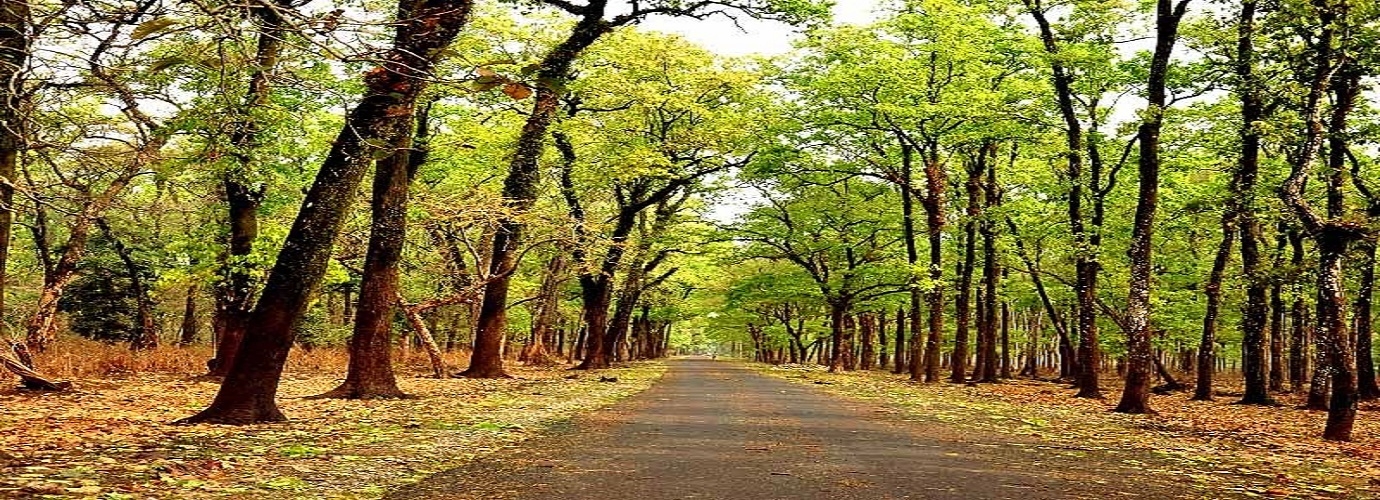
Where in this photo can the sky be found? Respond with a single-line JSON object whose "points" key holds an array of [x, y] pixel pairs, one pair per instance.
{"points": [[754, 37]]}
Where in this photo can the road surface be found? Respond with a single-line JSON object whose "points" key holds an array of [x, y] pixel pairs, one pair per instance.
{"points": [[719, 431]]}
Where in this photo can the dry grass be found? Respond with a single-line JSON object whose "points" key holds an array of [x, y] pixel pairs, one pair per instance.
{"points": [[111, 439], [79, 359]]}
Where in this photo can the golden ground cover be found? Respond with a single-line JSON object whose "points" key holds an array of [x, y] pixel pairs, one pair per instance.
{"points": [[112, 439]]}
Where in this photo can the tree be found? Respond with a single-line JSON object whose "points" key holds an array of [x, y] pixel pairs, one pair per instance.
{"points": [[553, 76], [1135, 398], [384, 114]]}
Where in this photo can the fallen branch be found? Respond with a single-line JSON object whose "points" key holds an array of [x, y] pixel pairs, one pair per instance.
{"points": [[31, 379]]}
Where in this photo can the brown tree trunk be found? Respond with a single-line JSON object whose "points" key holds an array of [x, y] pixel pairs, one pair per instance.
{"points": [[370, 373], [1135, 397], [867, 328], [1006, 319], [520, 190], [190, 330], [963, 316], [1207, 346], [548, 309], [918, 366], [384, 115], [1253, 319], [1332, 232], [990, 273], [234, 294], [898, 361], [838, 317], [1366, 388], [1298, 320], [935, 182]]}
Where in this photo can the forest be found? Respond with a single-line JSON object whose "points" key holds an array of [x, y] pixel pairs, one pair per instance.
{"points": [[1129, 199]]}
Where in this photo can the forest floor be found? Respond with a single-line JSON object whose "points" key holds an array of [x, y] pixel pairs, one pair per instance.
{"points": [[112, 439], [1217, 446]]}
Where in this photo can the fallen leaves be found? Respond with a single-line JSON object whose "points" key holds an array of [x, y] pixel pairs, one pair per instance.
{"points": [[114, 440], [1270, 451]]}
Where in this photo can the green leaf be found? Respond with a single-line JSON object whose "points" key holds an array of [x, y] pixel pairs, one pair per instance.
{"points": [[152, 26]]}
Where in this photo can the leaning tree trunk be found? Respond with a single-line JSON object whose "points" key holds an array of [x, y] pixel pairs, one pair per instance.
{"points": [[370, 373], [1333, 233], [520, 191], [383, 116], [1207, 346], [234, 294], [146, 338]]}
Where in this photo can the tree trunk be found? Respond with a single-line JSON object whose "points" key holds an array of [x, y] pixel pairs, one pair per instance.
{"points": [[146, 337], [548, 308], [190, 330], [838, 316], [867, 328], [1298, 319], [1366, 388], [370, 373], [14, 56], [1207, 354], [520, 191], [990, 272], [1006, 319], [898, 361], [1085, 260], [234, 294], [963, 316], [383, 116], [1136, 396], [933, 202]]}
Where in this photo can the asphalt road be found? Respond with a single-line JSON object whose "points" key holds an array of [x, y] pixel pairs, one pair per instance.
{"points": [[716, 430]]}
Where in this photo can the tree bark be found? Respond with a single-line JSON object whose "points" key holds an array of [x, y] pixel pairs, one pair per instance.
{"points": [[146, 337], [1366, 388], [1207, 346], [370, 372], [234, 294], [190, 329], [520, 191], [1135, 398], [963, 316], [14, 56], [383, 115]]}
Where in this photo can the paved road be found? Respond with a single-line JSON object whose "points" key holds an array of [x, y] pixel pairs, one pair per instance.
{"points": [[715, 430]]}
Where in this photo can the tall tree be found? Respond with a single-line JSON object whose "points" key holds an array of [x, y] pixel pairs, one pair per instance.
{"points": [[1135, 398], [381, 119], [553, 75]]}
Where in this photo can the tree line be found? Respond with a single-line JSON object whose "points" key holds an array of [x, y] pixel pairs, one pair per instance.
{"points": [[1111, 180], [970, 186]]}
